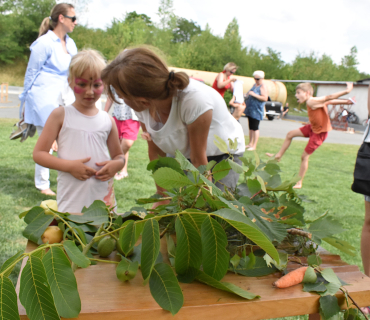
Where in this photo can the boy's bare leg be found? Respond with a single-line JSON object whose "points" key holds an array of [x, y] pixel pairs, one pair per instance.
{"points": [[288, 140], [303, 169], [365, 240]]}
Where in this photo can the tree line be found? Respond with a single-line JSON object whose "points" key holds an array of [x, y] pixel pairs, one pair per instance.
{"points": [[182, 42]]}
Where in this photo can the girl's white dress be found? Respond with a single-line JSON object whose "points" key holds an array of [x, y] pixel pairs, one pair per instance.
{"points": [[82, 137]]}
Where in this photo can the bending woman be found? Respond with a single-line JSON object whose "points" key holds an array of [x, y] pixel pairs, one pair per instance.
{"points": [[46, 75], [175, 112], [255, 101], [224, 80]]}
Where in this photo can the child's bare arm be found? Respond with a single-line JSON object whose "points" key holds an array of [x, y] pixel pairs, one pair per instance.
{"points": [[108, 104], [339, 101], [111, 167], [232, 102], [42, 156], [320, 102]]}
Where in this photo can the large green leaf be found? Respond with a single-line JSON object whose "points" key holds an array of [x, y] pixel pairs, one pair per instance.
{"points": [[150, 246], [165, 288], [62, 282], [324, 227], [254, 186], [127, 237], [329, 306], [221, 144], [34, 214], [214, 242], [184, 163], [259, 269], [196, 219], [235, 166], [75, 254], [8, 262], [35, 294], [245, 226], [8, 300], [221, 170], [189, 251], [267, 223], [342, 245], [97, 213], [165, 162], [36, 228], [168, 178], [225, 286]]}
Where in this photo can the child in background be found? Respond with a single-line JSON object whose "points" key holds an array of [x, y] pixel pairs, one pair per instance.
{"points": [[319, 126], [237, 101], [89, 153], [128, 127]]}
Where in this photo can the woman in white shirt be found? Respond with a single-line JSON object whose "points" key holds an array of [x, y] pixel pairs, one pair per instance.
{"points": [[176, 113]]}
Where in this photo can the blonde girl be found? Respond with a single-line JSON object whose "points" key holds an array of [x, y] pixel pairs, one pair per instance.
{"points": [[89, 152]]}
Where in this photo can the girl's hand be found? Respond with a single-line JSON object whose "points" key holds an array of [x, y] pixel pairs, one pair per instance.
{"points": [[81, 171], [109, 169]]}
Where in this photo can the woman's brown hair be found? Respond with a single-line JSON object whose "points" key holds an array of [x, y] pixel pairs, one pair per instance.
{"points": [[51, 22], [139, 72]]}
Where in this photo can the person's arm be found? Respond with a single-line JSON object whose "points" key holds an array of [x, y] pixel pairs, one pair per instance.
{"points": [[198, 135], [40, 53], [320, 102], [232, 102], [368, 102], [339, 101], [263, 96], [111, 167], [221, 83], [41, 154], [108, 104]]}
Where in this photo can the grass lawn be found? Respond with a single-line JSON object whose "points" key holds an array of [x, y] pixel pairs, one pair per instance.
{"points": [[327, 182]]}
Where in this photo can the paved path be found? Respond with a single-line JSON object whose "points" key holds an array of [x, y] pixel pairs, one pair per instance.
{"points": [[274, 129]]}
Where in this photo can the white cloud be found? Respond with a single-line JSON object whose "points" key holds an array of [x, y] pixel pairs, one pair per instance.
{"points": [[288, 26]]}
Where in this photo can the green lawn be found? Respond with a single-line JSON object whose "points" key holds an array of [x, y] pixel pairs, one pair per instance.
{"points": [[327, 182]]}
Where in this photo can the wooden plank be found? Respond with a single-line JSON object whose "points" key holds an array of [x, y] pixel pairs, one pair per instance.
{"points": [[103, 296]]}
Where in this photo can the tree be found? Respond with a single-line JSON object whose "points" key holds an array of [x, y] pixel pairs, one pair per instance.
{"points": [[350, 61], [184, 30], [165, 13], [131, 17]]}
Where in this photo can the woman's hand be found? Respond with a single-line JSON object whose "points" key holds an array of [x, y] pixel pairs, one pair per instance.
{"points": [[79, 170]]}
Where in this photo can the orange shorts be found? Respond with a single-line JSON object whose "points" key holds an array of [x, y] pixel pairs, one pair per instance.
{"points": [[315, 139]]}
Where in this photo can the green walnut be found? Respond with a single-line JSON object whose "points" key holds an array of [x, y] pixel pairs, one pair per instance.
{"points": [[106, 246]]}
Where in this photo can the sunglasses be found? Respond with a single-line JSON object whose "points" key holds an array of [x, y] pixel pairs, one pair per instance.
{"points": [[74, 18], [257, 79], [232, 72]]}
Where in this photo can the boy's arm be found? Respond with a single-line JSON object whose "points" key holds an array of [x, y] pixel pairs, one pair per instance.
{"points": [[108, 104], [231, 102], [111, 167], [318, 102], [42, 156], [339, 101]]}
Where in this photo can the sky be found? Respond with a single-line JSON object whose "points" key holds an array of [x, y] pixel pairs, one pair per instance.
{"points": [[290, 27]]}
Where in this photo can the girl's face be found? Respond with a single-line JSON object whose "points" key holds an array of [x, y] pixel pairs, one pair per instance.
{"points": [[87, 89]]}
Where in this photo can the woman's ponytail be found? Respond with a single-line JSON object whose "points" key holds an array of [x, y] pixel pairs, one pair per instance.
{"points": [[51, 22]]}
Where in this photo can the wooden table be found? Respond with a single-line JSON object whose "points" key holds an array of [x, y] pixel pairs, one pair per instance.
{"points": [[103, 296]]}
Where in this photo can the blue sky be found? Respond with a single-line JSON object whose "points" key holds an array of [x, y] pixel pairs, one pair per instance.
{"points": [[288, 26]]}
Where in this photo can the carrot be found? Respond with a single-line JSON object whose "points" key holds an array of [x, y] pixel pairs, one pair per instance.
{"points": [[291, 279]]}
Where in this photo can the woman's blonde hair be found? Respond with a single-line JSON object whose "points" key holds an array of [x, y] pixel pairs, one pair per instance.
{"points": [[51, 22], [87, 59], [139, 72], [230, 66]]}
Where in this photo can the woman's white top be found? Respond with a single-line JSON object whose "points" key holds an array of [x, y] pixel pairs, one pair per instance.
{"points": [[190, 103], [81, 137]]}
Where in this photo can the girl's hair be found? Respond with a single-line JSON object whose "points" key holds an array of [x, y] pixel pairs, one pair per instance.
{"points": [[87, 59], [230, 66], [139, 72], [51, 22]]}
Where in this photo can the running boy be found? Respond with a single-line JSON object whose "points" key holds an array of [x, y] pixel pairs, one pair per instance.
{"points": [[319, 126]]}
